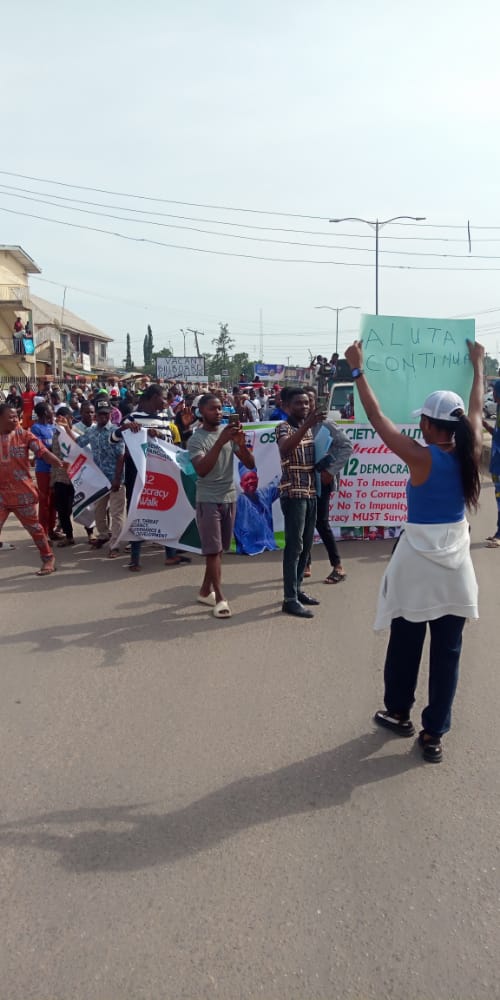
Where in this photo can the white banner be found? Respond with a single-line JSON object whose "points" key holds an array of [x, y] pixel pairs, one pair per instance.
{"points": [[162, 507], [370, 502], [88, 481], [181, 368], [371, 499]]}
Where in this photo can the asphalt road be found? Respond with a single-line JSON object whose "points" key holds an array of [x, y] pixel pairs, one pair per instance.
{"points": [[196, 809]]}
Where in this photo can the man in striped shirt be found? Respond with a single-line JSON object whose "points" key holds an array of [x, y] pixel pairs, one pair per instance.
{"points": [[298, 497], [152, 417]]}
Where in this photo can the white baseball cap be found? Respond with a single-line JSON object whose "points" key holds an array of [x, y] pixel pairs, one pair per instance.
{"points": [[442, 405]]}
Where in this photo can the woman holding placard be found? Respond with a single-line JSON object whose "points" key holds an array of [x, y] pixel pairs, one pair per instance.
{"points": [[430, 578]]}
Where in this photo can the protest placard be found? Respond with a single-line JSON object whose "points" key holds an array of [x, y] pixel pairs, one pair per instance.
{"points": [[88, 481], [162, 507], [407, 358], [181, 368]]}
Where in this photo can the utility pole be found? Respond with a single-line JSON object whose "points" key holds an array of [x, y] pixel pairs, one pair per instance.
{"points": [[196, 333], [184, 338], [337, 310], [377, 225]]}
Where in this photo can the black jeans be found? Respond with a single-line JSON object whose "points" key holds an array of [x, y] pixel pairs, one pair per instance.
{"points": [[323, 528], [402, 663], [300, 518], [63, 502]]}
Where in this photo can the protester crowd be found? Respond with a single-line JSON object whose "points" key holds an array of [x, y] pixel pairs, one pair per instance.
{"points": [[418, 587], [95, 415]]}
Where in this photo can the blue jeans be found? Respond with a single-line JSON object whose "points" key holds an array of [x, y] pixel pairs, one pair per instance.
{"points": [[135, 553], [402, 663], [300, 519]]}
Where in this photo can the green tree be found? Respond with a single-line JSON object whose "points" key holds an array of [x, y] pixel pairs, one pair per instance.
{"points": [[150, 345], [240, 363], [223, 344], [129, 364]]}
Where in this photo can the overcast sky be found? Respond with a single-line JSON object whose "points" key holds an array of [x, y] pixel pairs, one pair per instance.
{"points": [[335, 108]]}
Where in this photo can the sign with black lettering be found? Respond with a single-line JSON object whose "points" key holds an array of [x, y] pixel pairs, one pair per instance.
{"points": [[405, 359], [179, 368]]}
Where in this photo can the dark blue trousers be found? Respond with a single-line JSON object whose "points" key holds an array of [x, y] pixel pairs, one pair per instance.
{"points": [[402, 663]]}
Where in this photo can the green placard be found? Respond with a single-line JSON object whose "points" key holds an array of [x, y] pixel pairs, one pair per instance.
{"points": [[406, 358]]}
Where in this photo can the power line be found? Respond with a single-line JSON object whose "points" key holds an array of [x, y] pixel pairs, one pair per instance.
{"points": [[257, 239], [222, 208], [169, 201], [239, 236], [247, 256], [240, 225]]}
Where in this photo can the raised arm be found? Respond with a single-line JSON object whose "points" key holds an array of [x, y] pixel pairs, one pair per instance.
{"points": [[288, 442], [476, 398], [415, 456]]}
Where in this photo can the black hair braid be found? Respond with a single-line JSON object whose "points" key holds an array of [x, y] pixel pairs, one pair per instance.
{"points": [[465, 448]]}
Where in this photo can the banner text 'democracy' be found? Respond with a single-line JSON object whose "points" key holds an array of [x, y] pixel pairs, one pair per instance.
{"points": [[407, 358]]}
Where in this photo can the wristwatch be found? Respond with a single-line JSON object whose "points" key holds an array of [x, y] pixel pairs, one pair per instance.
{"points": [[356, 373]]}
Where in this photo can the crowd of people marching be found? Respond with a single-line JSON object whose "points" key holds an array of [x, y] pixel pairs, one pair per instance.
{"points": [[430, 578], [39, 490]]}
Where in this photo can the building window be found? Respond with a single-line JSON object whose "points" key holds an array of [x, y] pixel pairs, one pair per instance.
{"points": [[102, 352]]}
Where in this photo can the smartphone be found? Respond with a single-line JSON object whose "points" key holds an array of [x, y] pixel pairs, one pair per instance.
{"points": [[234, 420]]}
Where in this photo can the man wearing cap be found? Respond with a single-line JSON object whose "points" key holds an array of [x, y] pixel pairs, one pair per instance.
{"points": [[493, 541], [109, 457]]}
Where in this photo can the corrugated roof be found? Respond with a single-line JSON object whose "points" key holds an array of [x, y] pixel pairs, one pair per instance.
{"points": [[50, 314]]}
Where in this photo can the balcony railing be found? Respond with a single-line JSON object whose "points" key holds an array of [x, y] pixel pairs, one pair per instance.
{"points": [[17, 296], [44, 334]]}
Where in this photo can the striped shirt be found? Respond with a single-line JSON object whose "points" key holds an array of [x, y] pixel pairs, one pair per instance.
{"points": [[297, 468], [150, 421]]}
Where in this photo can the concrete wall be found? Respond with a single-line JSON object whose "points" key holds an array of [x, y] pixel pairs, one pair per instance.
{"points": [[11, 271]]}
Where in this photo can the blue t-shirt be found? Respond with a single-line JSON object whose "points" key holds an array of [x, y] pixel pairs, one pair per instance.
{"points": [[440, 500], [278, 414], [226, 412], [45, 432]]}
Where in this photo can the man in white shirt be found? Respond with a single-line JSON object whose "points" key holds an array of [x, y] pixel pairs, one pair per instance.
{"points": [[250, 409]]}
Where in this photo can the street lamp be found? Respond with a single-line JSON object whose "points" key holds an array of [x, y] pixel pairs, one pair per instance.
{"points": [[184, 338], [337, 309], [377, 225]]}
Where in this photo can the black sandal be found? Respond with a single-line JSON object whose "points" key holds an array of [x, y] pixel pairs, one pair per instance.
{"points": [[432, 749], [335, 577], [402, 727]]}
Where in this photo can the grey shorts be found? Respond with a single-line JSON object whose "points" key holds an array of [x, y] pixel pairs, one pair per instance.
{"points": [[215, 524]]}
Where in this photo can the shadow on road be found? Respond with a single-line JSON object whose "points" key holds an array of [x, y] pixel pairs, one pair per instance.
{"points": [[323, 781]]}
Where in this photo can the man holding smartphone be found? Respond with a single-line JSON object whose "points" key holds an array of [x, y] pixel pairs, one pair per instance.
{"points": [[212, 448], [298, 498]]}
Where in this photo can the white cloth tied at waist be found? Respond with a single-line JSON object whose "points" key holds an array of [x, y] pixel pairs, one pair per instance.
{"points": [[430, 574]]}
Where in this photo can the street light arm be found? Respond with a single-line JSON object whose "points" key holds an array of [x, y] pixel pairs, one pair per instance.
{"points": [[337, 308], [412, 218], [353, 218], [380, 222]]}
